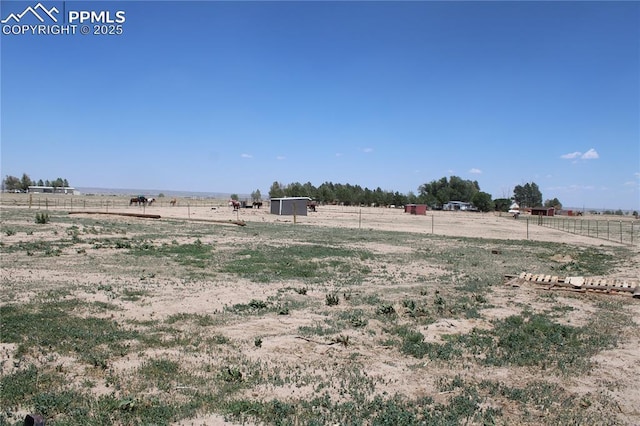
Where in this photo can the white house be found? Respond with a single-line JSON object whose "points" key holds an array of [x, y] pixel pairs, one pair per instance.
{"points": [[459, 205], [52, 190]]}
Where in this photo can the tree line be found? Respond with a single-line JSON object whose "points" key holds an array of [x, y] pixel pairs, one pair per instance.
{"points": [[435, 194], [13, 183]]}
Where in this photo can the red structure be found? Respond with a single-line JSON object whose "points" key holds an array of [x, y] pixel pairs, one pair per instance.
{"points": [[543, 211], [416, 209]]}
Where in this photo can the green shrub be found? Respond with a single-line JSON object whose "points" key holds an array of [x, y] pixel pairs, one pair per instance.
{"points": [[332, 299], [42, 218]]}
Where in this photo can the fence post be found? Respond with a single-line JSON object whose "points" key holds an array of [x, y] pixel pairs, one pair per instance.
{"points": [[294, 213], [432, 224], [607, 230], [527, 228], [620, 232]]}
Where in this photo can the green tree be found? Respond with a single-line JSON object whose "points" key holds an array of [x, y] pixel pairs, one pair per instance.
{"points": [[555, 203], [308, 190], [412, 198], [276, 190], [25, 182], [527, 195], [502, 204], [326, 193], [256, 196], [11, 183], [399, 199], [439, 192], [234, 197], [435, 193], [343, 194], [482, 201], [294, 190]]}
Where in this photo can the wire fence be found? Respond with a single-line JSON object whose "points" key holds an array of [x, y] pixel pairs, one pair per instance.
{"points": [[102, 203], [625, 231]]}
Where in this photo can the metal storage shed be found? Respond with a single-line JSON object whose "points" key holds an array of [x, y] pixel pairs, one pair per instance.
{"points": [[289, 206]]}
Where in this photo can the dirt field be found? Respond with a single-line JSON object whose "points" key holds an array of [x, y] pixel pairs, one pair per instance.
{"points": [[348, 316]]}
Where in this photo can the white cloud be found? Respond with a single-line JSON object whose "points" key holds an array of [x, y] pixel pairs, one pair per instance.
{"points": [[338, 154], [571, 155], [475, 171], [246, 155], [634, 183], [368, 150], [280, 157], [576, 188], [590, 155]]}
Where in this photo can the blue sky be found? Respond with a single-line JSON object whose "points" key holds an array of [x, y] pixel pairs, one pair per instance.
{"points": [[232, 96]]}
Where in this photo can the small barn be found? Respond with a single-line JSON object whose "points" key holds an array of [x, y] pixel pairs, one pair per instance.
{"points": [[289, 206], [416, 209], [543, 211]]}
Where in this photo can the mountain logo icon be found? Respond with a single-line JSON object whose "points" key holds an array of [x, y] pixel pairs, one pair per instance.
{"points": [[38, 11]]}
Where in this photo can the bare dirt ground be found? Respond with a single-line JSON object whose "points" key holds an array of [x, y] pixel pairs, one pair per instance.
{"points": [[455, 224], [615, 377]]}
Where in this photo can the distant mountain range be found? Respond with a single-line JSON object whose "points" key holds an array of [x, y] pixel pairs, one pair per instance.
{"points": [[155, 192]]}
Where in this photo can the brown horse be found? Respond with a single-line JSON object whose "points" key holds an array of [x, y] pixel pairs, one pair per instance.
{"points": [[173, 202], [138, 200], [235, 204]]}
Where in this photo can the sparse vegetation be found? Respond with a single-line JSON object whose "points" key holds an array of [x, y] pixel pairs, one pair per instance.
{"points": [[282, 324], [42, 218]]}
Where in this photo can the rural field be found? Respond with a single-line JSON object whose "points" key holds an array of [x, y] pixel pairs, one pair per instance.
{"points": [[346, 316]]}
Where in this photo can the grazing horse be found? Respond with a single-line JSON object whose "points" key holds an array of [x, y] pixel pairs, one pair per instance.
{"points": [[173, 202], [150, 201], [235, 204], [257, 204], [311, 206], [138, 200]]}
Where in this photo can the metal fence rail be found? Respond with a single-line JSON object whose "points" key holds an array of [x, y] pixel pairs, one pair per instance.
{"points": [[625, 231]]}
